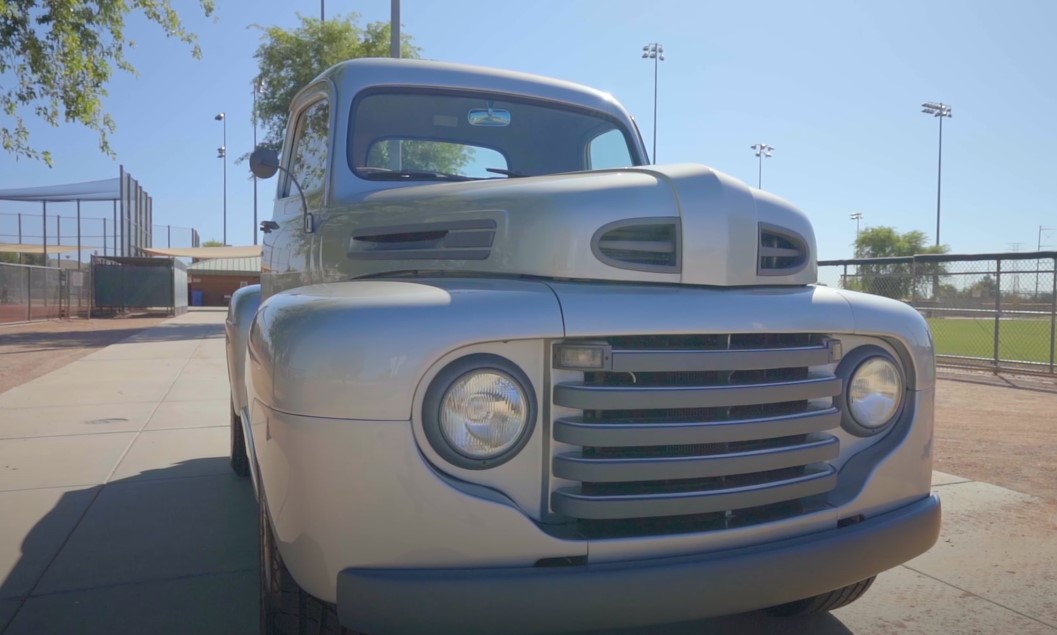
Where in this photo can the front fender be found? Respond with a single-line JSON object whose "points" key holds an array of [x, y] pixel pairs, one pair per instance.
{"points": [[243, 306], [358, 349]]}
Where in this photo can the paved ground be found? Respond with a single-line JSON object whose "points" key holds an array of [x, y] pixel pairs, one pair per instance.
{"points": [[120, 515]]}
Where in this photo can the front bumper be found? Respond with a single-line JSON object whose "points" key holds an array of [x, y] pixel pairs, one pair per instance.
{"points": [[561, 599]]}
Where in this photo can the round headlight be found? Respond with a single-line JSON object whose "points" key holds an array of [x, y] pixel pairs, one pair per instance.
{"points": [[875, 393], [479, 411], [483, 414]]}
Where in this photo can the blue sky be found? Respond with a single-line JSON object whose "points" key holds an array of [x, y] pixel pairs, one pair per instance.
{"points": [[834, 86]]}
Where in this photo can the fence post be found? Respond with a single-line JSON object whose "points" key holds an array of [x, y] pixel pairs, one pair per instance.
{"points": [[1053, 313], [914, 284], [29, 294], [998, 307], [844, 278]]}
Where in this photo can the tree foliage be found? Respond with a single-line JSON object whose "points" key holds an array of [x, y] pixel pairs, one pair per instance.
{"points": [[289, 59], [883, 242], [213, 243], [900, 280], [25, 259], [57, 57]]}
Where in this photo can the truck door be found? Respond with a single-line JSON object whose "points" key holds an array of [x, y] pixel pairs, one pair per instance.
{"points": [[289, 248]]}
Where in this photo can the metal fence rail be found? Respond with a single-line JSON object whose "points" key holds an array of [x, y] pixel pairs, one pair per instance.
{"points": [[996, 312], [28, 292]]}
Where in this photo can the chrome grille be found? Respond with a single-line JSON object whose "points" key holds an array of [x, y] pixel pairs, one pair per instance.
{"points": [[699, 430]]}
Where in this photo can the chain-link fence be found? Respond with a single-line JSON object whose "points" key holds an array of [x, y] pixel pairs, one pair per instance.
{"points": [[76, 238], [987, 311], [29, 292]]}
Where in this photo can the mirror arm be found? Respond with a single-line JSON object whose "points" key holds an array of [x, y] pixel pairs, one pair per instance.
{"points": [[309, 220]]}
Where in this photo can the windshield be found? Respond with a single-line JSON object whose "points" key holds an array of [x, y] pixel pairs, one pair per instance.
{"points": [[410, 135]]}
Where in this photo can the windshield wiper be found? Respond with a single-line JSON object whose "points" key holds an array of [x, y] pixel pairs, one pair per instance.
{"points": [[504, 172], [393, 175]]}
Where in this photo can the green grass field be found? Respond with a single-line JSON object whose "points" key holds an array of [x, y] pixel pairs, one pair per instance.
{"points": [[1019, 340]]}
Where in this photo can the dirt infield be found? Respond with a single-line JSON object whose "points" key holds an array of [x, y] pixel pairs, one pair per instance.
{"points": [[20, 312], [28, 351], [998, 433]]}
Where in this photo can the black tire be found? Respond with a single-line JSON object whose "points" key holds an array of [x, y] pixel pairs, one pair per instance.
{"points": [[240, 461], [285, 607], [825, 602]]}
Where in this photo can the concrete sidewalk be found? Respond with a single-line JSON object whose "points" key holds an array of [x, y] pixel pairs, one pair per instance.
{"points": [[118, 514]]}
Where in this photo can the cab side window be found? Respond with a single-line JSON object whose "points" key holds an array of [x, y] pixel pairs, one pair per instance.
{"points": [[609, 150], [309, 161]]}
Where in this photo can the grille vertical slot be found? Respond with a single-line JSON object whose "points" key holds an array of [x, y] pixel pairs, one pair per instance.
{"points": [[781, 251], [640, 244]]}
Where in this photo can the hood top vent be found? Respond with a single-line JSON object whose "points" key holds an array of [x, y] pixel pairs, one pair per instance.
{"points": [[782, 252], [640, 244]]}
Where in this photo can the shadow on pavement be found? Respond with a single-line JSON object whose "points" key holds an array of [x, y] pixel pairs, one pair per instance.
{"points": [[105, 337], [170, 550], [174, 550]]}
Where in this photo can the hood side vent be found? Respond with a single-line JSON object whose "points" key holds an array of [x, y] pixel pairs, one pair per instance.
{"points": [[640, 244], [781, 251], [451, 240]]}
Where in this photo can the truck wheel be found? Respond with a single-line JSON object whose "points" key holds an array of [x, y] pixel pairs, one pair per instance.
{"points": [[824, 602], [285, 607], [240, 462]]}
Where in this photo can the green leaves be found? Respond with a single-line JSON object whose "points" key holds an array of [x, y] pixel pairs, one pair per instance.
{"points": [[291, 58], [901, 281], [62, 54]]}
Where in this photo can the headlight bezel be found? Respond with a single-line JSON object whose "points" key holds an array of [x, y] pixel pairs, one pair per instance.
{"points": [[438, 390], [847, 369]]}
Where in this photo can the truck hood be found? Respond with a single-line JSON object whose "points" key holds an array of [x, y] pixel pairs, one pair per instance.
{"points": [[681, 223]]}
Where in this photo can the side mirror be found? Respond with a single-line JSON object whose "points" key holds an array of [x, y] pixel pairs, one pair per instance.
{"points": [[264, 163]]}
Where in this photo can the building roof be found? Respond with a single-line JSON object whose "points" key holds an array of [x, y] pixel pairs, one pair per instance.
{"points": [[227, 252], [20, 248], [104, 190], [227, 266]]}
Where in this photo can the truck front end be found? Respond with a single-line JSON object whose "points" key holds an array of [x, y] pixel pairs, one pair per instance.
{"points": [[575, 401]]}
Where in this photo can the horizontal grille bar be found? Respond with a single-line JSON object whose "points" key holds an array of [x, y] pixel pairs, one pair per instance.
{"points": [[577, 467], [575, 431], [779, 252], [585, 397], [571, 501], [722, 360]]}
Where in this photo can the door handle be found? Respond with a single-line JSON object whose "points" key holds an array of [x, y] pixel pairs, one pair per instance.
{"points": [[268, 226]]}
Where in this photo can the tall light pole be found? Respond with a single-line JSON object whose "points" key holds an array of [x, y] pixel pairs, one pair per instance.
{"points": [[655, 52], [394, 29], [856, 216], [258, 86], [762, 151], [941, 111], [222, 154]]}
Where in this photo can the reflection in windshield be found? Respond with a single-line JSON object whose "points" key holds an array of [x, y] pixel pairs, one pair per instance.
{"points": [[436, 136]]}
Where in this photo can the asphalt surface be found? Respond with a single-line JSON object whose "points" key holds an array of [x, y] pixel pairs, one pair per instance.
{"points": [[118, 514]]}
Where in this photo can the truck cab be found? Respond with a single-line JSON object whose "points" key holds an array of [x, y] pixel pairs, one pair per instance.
{"points": [[502, 375]]}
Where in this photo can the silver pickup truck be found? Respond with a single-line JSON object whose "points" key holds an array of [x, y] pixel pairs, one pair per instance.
{"points": [[503, 376]]}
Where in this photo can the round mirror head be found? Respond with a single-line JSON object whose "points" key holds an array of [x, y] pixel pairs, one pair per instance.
{"points": [[264, 163]]}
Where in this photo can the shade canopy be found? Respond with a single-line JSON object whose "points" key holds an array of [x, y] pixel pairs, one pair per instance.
{"points": [[17, 248], [203, 253], [104, 190]]}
